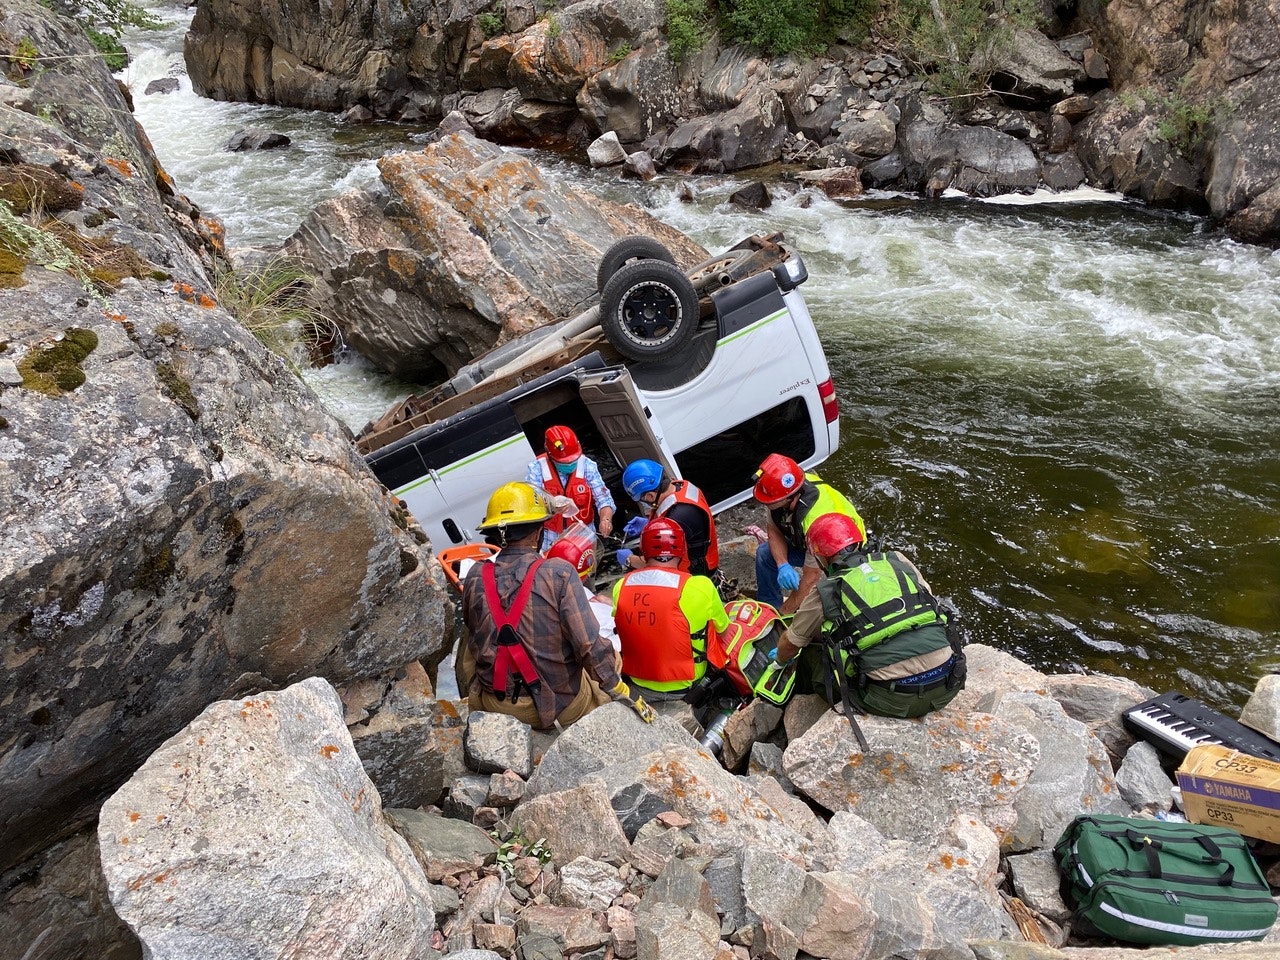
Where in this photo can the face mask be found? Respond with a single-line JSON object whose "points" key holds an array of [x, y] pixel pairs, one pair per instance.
{"points": [[564, 469]]}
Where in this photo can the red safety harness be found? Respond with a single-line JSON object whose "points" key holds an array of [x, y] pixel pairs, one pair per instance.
{"points": [[511, 650]]}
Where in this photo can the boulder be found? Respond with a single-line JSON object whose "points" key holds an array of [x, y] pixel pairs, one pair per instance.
{"points": [[255, 832], [410, 743], [252, 138], [182, 519], [1035, 73], [917, 772], [462, 246]]}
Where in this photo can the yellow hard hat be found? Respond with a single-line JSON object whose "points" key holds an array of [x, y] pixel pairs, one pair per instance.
{"points": [[514, 503]]}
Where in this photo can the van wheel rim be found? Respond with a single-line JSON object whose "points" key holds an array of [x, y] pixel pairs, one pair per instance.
{"points": [[651, 312]]}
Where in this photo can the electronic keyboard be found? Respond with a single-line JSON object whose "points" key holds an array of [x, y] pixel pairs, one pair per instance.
{"points": [[1174, 723]]}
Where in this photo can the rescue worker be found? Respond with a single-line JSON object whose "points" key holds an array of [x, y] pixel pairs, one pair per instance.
{"points": [[533, 651], [794, 500], [562, 470], [658, 495], [883, 640], [578, 547], [663, 613]]}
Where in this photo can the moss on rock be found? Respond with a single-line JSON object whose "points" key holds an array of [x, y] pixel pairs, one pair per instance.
{"points": [[56, 369], [178, 388]]}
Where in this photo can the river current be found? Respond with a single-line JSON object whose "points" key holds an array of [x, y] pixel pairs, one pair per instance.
{"points": [[1065, 412]]}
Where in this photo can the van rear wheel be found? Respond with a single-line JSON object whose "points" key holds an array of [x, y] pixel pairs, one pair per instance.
{"points": [[625, 251], [648, 310]]}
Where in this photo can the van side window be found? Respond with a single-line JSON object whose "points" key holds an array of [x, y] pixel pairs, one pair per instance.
{"points": [[725, 464]]}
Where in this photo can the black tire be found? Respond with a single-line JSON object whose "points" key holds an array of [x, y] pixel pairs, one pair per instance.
{"points": [[649, 310], [626, 250]]}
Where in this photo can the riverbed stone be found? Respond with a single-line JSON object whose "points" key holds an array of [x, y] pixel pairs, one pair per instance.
{"points": [[1262, 710], [496, 742], [1072, 775], [231, 806]]}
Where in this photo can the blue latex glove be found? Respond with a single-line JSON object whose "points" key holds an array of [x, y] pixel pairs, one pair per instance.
{"points": [[634, 526], [788, 577], [623, 556]]}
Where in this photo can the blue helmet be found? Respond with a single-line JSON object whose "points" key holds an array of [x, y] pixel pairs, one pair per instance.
{"points": [[640, 477]]}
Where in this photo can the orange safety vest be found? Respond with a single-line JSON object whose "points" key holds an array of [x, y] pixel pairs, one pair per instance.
{"points": [[653, 630], [577, 490], [686, 492]]}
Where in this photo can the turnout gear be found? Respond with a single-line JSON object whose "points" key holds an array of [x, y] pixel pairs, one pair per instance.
{"points": [[513, 504], [663, 539], [562, 445]]}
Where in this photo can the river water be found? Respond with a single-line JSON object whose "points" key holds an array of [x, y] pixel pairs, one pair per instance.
{"points": [[1065, 412]]}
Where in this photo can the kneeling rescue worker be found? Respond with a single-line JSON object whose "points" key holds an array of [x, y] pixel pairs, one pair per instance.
{"points": [[884, 641], [534, 650], [794, 499], [662, 615], [658, 495]]}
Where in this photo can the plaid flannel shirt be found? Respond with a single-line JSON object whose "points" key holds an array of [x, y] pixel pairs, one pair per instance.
{"points": [[558, 629]]}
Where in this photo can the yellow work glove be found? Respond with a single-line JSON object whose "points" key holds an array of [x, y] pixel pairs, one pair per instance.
{"points": [[622, 694]]}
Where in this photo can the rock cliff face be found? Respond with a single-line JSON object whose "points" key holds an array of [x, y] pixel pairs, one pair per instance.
{"points": [[180, 520], [1180, 97]]}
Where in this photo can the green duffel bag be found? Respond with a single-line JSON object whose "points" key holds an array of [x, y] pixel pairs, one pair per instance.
{"points": [[1151, 881]]}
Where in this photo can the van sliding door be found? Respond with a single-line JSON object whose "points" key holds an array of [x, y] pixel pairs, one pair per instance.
{"points": [[611, 398]]}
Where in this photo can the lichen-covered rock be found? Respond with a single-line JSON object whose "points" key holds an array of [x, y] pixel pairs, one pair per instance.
{"points": [[180, 519], [256, 833], [464, 245]]}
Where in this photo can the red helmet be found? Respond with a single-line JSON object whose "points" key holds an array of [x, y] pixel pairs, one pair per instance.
{"points": [[579, 550], [831, 533], [663, 539], [562, 445], [778, 478]]}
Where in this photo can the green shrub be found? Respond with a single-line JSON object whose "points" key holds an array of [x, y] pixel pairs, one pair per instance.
{"points": [[112, 50], [553, 27], [623, 51], [779, 27], [958, 43], [493, 22], [1188, 125], [687, 23]]}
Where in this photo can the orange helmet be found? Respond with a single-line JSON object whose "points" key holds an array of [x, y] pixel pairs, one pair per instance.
{"points": [[831, 533], [578, 546], [562, 445], [778, 478], [663, 539]]}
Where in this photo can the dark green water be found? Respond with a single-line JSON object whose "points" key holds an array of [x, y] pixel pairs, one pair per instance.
{"points": [[1068, 416]]}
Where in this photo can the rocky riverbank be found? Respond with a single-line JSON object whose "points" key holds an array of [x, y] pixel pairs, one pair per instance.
{"points": [[1166, 102], [257, 832]]}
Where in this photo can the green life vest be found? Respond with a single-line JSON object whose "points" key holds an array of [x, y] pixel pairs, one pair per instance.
{"points": [[878, 599]]}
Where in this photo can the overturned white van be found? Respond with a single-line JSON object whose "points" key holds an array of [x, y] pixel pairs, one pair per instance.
{"points": [[705, 371]]}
